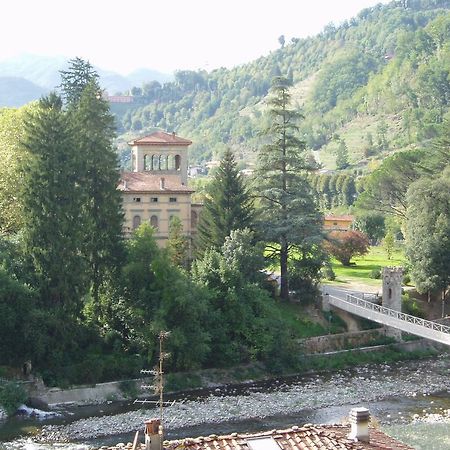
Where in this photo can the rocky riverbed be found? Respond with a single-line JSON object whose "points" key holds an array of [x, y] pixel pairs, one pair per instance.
{"points": [[362, 386]]}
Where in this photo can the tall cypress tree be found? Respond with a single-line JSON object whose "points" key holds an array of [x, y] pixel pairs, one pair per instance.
{"points": [[52, 199], [228, 205], [288, 215]]}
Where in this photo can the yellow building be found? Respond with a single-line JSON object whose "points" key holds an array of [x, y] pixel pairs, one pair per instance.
{"points": [[156, 189], [338, 223]]}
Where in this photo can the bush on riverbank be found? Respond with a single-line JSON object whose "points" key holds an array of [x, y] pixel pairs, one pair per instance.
{"points": [[12, 395]]}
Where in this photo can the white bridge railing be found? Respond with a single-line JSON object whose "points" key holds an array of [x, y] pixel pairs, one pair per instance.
{"points": [[392, 318]]}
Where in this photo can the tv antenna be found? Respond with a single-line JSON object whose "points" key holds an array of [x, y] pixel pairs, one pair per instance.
{"points": [[158, 378]]}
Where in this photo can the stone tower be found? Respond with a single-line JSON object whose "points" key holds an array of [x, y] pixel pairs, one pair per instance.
{"points": [[392, 294]]}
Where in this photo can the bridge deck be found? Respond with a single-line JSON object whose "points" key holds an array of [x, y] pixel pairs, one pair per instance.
{"points": [[389, 317]]}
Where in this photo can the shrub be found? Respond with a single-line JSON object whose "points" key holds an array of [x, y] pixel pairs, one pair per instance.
{"points": [[12, 395], [344, 245], [375, 273]]}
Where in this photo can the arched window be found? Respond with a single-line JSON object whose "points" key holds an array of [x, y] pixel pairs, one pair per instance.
{"points": [[155, 162], [136, 222], [177, 162], [194, 219], [170, 162], [163, 162], [146, 162], [133, 162], [154, 222]]}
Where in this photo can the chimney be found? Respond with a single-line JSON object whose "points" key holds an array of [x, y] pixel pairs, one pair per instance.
{"points": [[173, 133], [359, 420], [161, 183], [153, 434]]}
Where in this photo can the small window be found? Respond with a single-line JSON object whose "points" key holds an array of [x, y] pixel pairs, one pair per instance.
{"points": [[334, 223], [154, 199], [137, 199], [172, 199]]}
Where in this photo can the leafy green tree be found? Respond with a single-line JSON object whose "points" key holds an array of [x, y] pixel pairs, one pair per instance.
{"points": [[372, 225], [150, 295], [52, 198], [385, 188], [177, 244], [228, 205], [289, 216], [243, 324], [428, 233], [12, 157], [342, 156], [389, 244]]}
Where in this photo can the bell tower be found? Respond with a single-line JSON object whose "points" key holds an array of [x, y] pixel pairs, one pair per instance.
{"points": [[161, 154]]}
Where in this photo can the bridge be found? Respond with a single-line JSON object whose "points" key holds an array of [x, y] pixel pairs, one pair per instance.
{"points": [[389, 317]]}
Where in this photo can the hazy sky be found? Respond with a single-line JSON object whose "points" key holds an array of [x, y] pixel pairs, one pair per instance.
{"points": [[123, 35]]}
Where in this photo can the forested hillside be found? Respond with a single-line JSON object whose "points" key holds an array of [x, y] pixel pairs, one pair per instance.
{"points": [[375, 84]]}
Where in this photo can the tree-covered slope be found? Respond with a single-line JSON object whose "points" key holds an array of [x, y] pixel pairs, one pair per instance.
{"points": [[379, 82]]}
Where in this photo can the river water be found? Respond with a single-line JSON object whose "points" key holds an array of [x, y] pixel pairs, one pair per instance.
{"points": [[410, 401]]}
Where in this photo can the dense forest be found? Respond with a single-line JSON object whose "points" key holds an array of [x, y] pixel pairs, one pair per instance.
{"points": [[374, 84]]}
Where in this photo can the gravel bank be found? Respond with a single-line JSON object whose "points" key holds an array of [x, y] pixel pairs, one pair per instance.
{"points": [[370, 383]]}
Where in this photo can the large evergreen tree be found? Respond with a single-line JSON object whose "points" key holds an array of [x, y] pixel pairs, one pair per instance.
{"points": [[73, 80], [227, 207], [289, 217], [102, 215], [52, 201], [98, 170]]}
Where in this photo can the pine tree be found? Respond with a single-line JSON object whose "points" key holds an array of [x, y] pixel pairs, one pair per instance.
{"points": [[289, 217], [99, 176], [52, 198], [73, 80], [227, 207]]}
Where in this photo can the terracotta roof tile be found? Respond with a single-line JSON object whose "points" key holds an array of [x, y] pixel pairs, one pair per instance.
{"points": [[149, 182], [338, 218], [161, 138], [317, 437]]}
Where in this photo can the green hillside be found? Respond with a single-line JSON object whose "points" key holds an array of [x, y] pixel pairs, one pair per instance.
{"points": [[378, 83]]}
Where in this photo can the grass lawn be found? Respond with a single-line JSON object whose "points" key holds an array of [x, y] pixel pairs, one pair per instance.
{"points": [[361, 270]]}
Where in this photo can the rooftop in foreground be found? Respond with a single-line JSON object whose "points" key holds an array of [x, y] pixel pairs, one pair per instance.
{"points": [[307, 437]]}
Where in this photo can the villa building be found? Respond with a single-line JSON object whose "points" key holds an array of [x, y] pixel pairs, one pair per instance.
{"points": [[155, 190]]}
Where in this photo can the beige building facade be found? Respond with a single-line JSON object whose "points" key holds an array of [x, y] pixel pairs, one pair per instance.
{"points": [[155, 190]]}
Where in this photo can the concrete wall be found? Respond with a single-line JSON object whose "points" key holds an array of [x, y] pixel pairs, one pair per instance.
{"points": [[97, 393], [333, 342]]}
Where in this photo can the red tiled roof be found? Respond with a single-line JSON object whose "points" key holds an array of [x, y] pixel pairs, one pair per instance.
{"points": [[149, 182], [314, 437], [161, 138], [344, 218], [308, 437]]}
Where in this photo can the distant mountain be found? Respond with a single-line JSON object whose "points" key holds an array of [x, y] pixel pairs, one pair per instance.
{"points": [[141, 76], [376, 84], [40, 74], [15, 91]]}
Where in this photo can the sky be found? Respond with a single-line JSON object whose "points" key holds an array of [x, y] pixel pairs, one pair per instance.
{"points": [[165, 35]]}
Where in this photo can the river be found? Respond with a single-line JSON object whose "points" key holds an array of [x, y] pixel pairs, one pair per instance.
{"points": [[408, 400]]}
